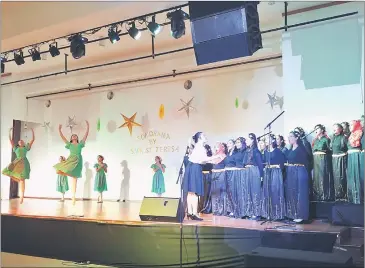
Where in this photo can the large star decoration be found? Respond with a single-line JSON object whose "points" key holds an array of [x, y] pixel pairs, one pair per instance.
{"points": [[272, 99], [71, 122], [187, 107], [279, 102], [46, 124], [130, 123]]}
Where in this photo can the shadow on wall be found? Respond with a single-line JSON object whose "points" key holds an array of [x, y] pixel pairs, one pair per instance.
{"points": [[124, 186], [88, 178]]}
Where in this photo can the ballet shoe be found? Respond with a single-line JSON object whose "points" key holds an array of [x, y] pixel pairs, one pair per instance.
{"points": [[73, 201], [195, 218], [21, 200]]}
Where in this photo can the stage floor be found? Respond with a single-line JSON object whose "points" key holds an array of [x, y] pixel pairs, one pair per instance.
{"points": [[127, 213]]}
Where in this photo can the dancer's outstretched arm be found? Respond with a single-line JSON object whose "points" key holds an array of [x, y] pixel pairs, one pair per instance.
{"points": [[87, 131], [10, 137], [33, 139], [61, 134]]}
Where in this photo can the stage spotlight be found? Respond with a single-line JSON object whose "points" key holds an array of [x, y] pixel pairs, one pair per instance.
{"points": [[53, 49], [2, 66], [19, 58], [154, 27], [77, 46], [133, 31], [177, 18], [35, 54], [113, 34]]}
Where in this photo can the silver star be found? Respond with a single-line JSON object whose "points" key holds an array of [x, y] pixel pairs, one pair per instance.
{"points": [[279, 102], [71, 122], [187, 106], [272, 99], [46, 124]]}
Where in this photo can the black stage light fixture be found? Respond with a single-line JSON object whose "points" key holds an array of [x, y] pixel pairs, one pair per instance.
{"points": [[53, 49], [154, 27], [34, 53], [177, 18], [113, 34], [133, 31], [77, 46], [2, 66], [19, 58]]}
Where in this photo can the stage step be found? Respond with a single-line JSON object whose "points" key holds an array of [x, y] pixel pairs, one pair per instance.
{"points": [[351, 239]]}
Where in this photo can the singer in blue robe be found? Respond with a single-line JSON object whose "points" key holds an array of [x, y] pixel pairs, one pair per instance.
{"points": [[297, 181], [273, 199], [205, 202], [230, 164]]}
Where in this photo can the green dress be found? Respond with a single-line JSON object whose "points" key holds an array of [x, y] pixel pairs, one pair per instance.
{"points": [[100, 184], [72, 167], [62, 183], [19, 169], [354, 177], [339, 166], [158, 181]]}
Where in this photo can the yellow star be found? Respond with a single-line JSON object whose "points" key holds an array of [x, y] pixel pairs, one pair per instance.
{"points": [[129, 122]]}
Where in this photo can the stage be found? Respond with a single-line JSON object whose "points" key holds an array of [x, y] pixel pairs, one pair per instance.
{"points": [[112, 234]]}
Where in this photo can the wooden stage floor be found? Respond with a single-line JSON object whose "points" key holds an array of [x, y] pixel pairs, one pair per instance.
{"points": [[128, 213]]}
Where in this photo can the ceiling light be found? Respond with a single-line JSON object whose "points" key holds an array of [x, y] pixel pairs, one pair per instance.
{"points": [[53, 49], [35, 54], [177, 18], [133, 31], [77, 46], [113, 34], [154, 27], [19, 58]]}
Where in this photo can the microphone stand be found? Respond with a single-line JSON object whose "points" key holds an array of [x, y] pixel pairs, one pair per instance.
{"points": [[182, 203], [269, 151], [263, 135]]}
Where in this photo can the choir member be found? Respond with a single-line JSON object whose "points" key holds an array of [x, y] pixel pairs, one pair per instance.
{"points": [[281, 144], [253, 163], [346, 129], [205, 202], [322, 181], [230, 165], [355, 157], [339, 162], [297, 181], [273, 201]]}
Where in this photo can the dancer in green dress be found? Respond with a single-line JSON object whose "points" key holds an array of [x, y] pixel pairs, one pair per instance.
{"points": [[72, 167], [19, 169], [62, 182], [100, 185], [158, 181]]}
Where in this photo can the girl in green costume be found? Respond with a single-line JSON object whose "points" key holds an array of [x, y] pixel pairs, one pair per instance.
{"points": [[100, 179], [72, 167], [158, 181], [19, 169], [62, 182]]}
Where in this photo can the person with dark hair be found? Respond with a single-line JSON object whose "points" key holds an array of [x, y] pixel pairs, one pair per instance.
{"points": [[193, 185], [339, 162], [253, 163], [322, 181], [100, 184], [72, 167], [262, 146], [158, 180], [205, 202], [346, 129], [297, 180], [273, 201], [230, 165], [281, 144], [355, 194], [62, 182], [219, 196], [19, 169]]}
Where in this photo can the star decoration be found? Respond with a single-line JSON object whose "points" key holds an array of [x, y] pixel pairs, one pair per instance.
{"points": [[272, 99], [130, 123], [46, 124], [187, 106], [279, 102], [71, 122]]}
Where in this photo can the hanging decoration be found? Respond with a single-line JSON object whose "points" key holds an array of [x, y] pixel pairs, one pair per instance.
{"points": [[279, 102], [71, 123], [187, 106], [145, 123], [161, 112], [130, 123], [272, 99], [46, 125], [245, 104], [98, 125], [237, 104]]}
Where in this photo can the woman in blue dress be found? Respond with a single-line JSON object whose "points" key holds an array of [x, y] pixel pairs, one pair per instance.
{"points": [[193, 185], [205, 202], [219, 194], [230, 165], [281, 144], [273, 200], [253, 163], [297, 181]]}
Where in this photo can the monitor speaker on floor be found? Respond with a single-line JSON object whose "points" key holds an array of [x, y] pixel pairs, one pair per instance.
{"points": [[224, 30], [276, 257], [348, 214], [163, 209]]}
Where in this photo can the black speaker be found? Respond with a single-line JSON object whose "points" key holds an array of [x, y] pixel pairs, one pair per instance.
{"points": [[307, 241], [348, 214], [224, 30], [162, 209], [275, 257]]}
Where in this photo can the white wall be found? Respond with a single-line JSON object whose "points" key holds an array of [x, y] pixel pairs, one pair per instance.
{"points": [[327, 106]]}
